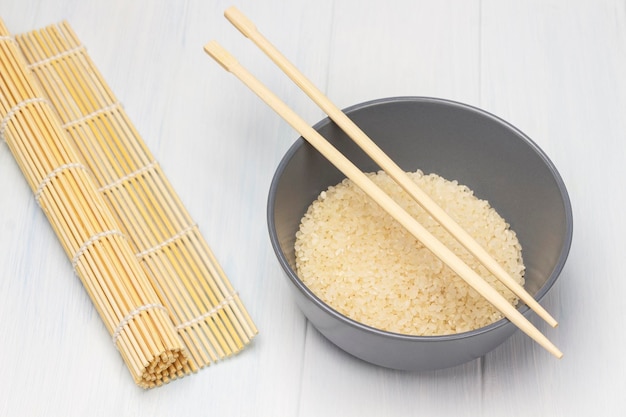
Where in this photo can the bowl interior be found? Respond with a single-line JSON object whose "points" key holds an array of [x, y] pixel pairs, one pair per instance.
{"points": [[459, 142]]}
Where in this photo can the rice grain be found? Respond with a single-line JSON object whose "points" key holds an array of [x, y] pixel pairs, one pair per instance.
{"points": [[360, 261]]}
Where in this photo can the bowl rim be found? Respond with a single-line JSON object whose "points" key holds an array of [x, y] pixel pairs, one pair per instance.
{"points": [[558, 267]]}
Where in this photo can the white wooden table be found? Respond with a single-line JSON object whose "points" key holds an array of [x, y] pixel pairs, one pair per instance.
{"points": [[556, 69]]}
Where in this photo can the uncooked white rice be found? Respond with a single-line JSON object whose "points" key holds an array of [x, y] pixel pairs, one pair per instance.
{"points": [[365, 265]]}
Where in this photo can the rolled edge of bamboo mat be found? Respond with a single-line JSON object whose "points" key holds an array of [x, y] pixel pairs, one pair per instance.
{"points": [[206, 310], [102, 258]]}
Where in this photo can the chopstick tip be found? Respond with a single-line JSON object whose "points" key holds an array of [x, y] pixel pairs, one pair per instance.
{"points": [[220, 55], [555, 351], [229, 10], [240, 21]]}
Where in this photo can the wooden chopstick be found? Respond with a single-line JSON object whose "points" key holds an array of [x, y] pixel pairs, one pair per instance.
{"points": [[249, 30], [229, 63]]}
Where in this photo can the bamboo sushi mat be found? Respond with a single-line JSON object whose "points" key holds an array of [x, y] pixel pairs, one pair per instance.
{"points": [[165, 300]]}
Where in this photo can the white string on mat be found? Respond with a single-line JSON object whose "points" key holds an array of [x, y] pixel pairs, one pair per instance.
{"points": [[57, 56], [48, 178], [93, 239], [228, 299], [7, 117], [130, 316], [8, 39], [94, 114], [128, 176], [167, 242]]}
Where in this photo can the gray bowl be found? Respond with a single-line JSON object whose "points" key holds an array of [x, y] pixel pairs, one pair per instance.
{"points": [[497, 161]]}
